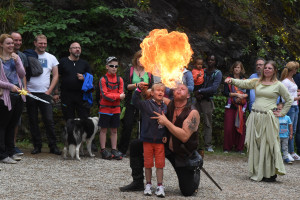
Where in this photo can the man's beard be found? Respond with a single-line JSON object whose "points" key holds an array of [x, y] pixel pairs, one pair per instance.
{"points": [[76, 55]]}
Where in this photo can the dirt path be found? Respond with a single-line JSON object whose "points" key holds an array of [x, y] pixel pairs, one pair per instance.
{"points": [[46, 176]]}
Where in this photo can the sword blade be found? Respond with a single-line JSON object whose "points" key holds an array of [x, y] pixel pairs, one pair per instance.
{"points": [[207, 174], [37, 98]]}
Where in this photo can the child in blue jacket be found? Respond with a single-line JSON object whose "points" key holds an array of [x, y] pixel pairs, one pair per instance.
{"points": [[153, 135]]}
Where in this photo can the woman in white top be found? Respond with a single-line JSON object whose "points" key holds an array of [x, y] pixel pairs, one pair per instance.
{"points": [[287, 79]]}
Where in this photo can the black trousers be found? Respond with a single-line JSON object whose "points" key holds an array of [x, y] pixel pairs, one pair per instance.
{"points": [[33, 107], [127, 122], [72, 103], [188, 179], [8, 122]]}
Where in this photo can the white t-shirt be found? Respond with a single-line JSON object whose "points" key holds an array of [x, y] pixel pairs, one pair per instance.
{"points": [[292, 88], [41, 83]]}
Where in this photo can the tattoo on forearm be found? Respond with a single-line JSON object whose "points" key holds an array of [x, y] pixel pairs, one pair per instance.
{"points": [[193, 123]]}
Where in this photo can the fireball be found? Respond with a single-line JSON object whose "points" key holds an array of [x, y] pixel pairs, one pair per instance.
{"points": [[165, 55]]}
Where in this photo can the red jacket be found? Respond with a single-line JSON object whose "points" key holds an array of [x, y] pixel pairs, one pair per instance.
{"points": [[198, 80], [110, 93]]}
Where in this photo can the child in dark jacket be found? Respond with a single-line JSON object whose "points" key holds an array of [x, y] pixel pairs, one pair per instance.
{"points": [[153, 135]]}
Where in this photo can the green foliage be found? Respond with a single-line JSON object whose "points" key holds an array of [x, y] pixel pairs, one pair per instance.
{"points": [[218, 120], [218, 114], [10, 16], [216, 38], [144, 5], [98, 28]]}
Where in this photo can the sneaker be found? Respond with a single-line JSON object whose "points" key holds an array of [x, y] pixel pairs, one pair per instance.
{"points": [[225, 151], [148, 190], [290, 157], [18, 152], [116, 154], [160, 192], [106, 154], [295, 156], [123, 154], [209, 149], [16, 158], [287, 161], [8, 160]]}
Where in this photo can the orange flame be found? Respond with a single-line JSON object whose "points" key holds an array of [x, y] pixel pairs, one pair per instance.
{"points": [[166, 54]]}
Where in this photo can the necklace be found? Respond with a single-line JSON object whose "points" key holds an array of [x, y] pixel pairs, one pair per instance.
{"points": [[179, 107], [6, 58], [139, 72], [74, 62]]}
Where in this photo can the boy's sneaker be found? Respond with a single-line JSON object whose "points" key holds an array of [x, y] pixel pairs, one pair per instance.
{"points": [[18, 152], [105, 154], [290, 157], [287, 161], [148, 190], [8, 160], [16, 158], [160, 192], [295, 156], [116, 154]]}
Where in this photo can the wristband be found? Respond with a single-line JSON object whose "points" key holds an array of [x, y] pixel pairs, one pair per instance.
{"points": [[136, 85]]}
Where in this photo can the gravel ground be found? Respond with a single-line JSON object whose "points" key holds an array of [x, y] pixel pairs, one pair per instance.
{"points": [[47, 176]]}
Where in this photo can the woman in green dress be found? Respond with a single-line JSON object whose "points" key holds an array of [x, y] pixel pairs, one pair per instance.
{"points": [[262, 132]]}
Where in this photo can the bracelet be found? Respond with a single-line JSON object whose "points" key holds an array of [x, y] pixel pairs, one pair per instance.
{"points": [[136, 85]]}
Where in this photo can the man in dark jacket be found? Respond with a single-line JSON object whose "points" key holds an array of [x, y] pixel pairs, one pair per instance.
{"points": [[205, 103], [17, 38]]}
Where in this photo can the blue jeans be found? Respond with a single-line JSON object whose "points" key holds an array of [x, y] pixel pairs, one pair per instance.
{"points": [[293, 114]]}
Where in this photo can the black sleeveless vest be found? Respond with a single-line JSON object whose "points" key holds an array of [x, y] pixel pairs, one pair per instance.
{"points": [[180, 148]]}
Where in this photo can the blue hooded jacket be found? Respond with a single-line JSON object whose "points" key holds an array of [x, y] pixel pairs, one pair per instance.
{"points": [[88, 88], [150, 132]]}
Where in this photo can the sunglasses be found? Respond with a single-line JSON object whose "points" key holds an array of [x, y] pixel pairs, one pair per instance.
{"points": [[113, 66]]}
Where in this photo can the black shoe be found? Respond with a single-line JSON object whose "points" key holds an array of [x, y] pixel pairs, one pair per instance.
{"points": [[55, 150], [136, 185], [36, 150], [106, 154], [271, 179], [94, 148]]}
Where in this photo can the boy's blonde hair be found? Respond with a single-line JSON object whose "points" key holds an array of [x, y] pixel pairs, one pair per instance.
{"points": [[156, 85]]}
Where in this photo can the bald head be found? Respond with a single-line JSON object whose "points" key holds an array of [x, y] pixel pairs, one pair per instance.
{"points": [[75, 50]]}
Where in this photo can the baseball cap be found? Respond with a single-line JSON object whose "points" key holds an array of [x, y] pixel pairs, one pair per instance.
{"points": [[111, 58]]}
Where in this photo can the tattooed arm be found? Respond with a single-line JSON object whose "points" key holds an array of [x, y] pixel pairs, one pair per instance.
{"points": [[190, 125]]}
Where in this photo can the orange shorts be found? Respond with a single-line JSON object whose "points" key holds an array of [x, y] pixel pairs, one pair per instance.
{"points": [[156, 150]]}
